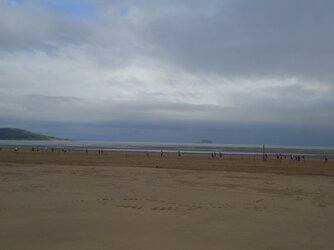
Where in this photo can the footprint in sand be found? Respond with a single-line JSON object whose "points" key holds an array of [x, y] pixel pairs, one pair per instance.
{"points": [[269, 183], [163, 208], [321, 203], [193, 207], [104, 199], [132, 199], [130, 207]]}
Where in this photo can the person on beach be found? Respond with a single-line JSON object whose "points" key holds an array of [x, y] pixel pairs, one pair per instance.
{"points": [[179, 153], [162, 153], [326, 158]]}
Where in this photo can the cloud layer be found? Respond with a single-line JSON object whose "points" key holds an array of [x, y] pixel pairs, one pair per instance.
{"points": [[161, 64]]}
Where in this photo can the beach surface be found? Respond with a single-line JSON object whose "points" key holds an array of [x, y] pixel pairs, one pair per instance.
{"points": [[131, 201]]}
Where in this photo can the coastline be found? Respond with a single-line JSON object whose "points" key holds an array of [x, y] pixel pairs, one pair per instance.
{"points": [[203, 162], [185, 148]]}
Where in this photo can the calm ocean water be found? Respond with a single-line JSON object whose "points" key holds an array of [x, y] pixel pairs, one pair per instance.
{"points": [[197, 148]]}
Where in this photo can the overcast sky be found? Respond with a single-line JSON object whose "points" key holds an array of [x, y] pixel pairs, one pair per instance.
{"points": [[233, 71]]}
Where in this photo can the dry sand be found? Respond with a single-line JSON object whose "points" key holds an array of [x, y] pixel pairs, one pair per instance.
{"points": [[130, 201]]}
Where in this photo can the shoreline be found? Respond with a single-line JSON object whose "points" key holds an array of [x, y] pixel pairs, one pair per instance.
{"points": [[170, 148], [203, 162]]}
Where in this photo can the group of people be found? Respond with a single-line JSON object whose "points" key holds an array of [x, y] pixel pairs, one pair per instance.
{"points": [[279, 156], [215, 155], [37, 149], [292, 157], [162, 153]]}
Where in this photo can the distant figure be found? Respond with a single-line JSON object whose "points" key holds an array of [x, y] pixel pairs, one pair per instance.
{"points": [[298, 157], [303, 158], [291, 157], [326, 158], [220, 155], [16, 149], [162, 153], [86, 150], [32, 149], [52, 150], [147, 154], [179, 153]]}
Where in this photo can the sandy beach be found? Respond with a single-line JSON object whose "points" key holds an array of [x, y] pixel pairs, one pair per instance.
{"points": [[124, 200]]}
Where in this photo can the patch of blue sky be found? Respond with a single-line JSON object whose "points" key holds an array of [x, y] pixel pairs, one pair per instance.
{"points": [[19, 1], [15, 1], [76, 10], [123, 11]]}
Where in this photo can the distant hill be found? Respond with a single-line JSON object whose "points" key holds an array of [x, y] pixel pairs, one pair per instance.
{"points": [[205, 141], [20, 134]]}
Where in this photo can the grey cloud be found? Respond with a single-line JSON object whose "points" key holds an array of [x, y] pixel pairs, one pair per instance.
{"points": [[249, 38], [32, 27], [230, 133], [230, 38], [179, 68], [80, 110]]}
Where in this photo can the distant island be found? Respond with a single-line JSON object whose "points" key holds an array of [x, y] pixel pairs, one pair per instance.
{"points": [[205, 141], [20, 134]]}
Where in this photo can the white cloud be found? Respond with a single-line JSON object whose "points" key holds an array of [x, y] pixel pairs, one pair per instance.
{"points": [[158, 61]]}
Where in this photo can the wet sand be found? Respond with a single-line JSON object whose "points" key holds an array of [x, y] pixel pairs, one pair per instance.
{"points": [[131, 201]]}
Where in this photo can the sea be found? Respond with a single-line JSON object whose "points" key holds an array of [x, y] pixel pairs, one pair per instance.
{"points": [[184, 148]]}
